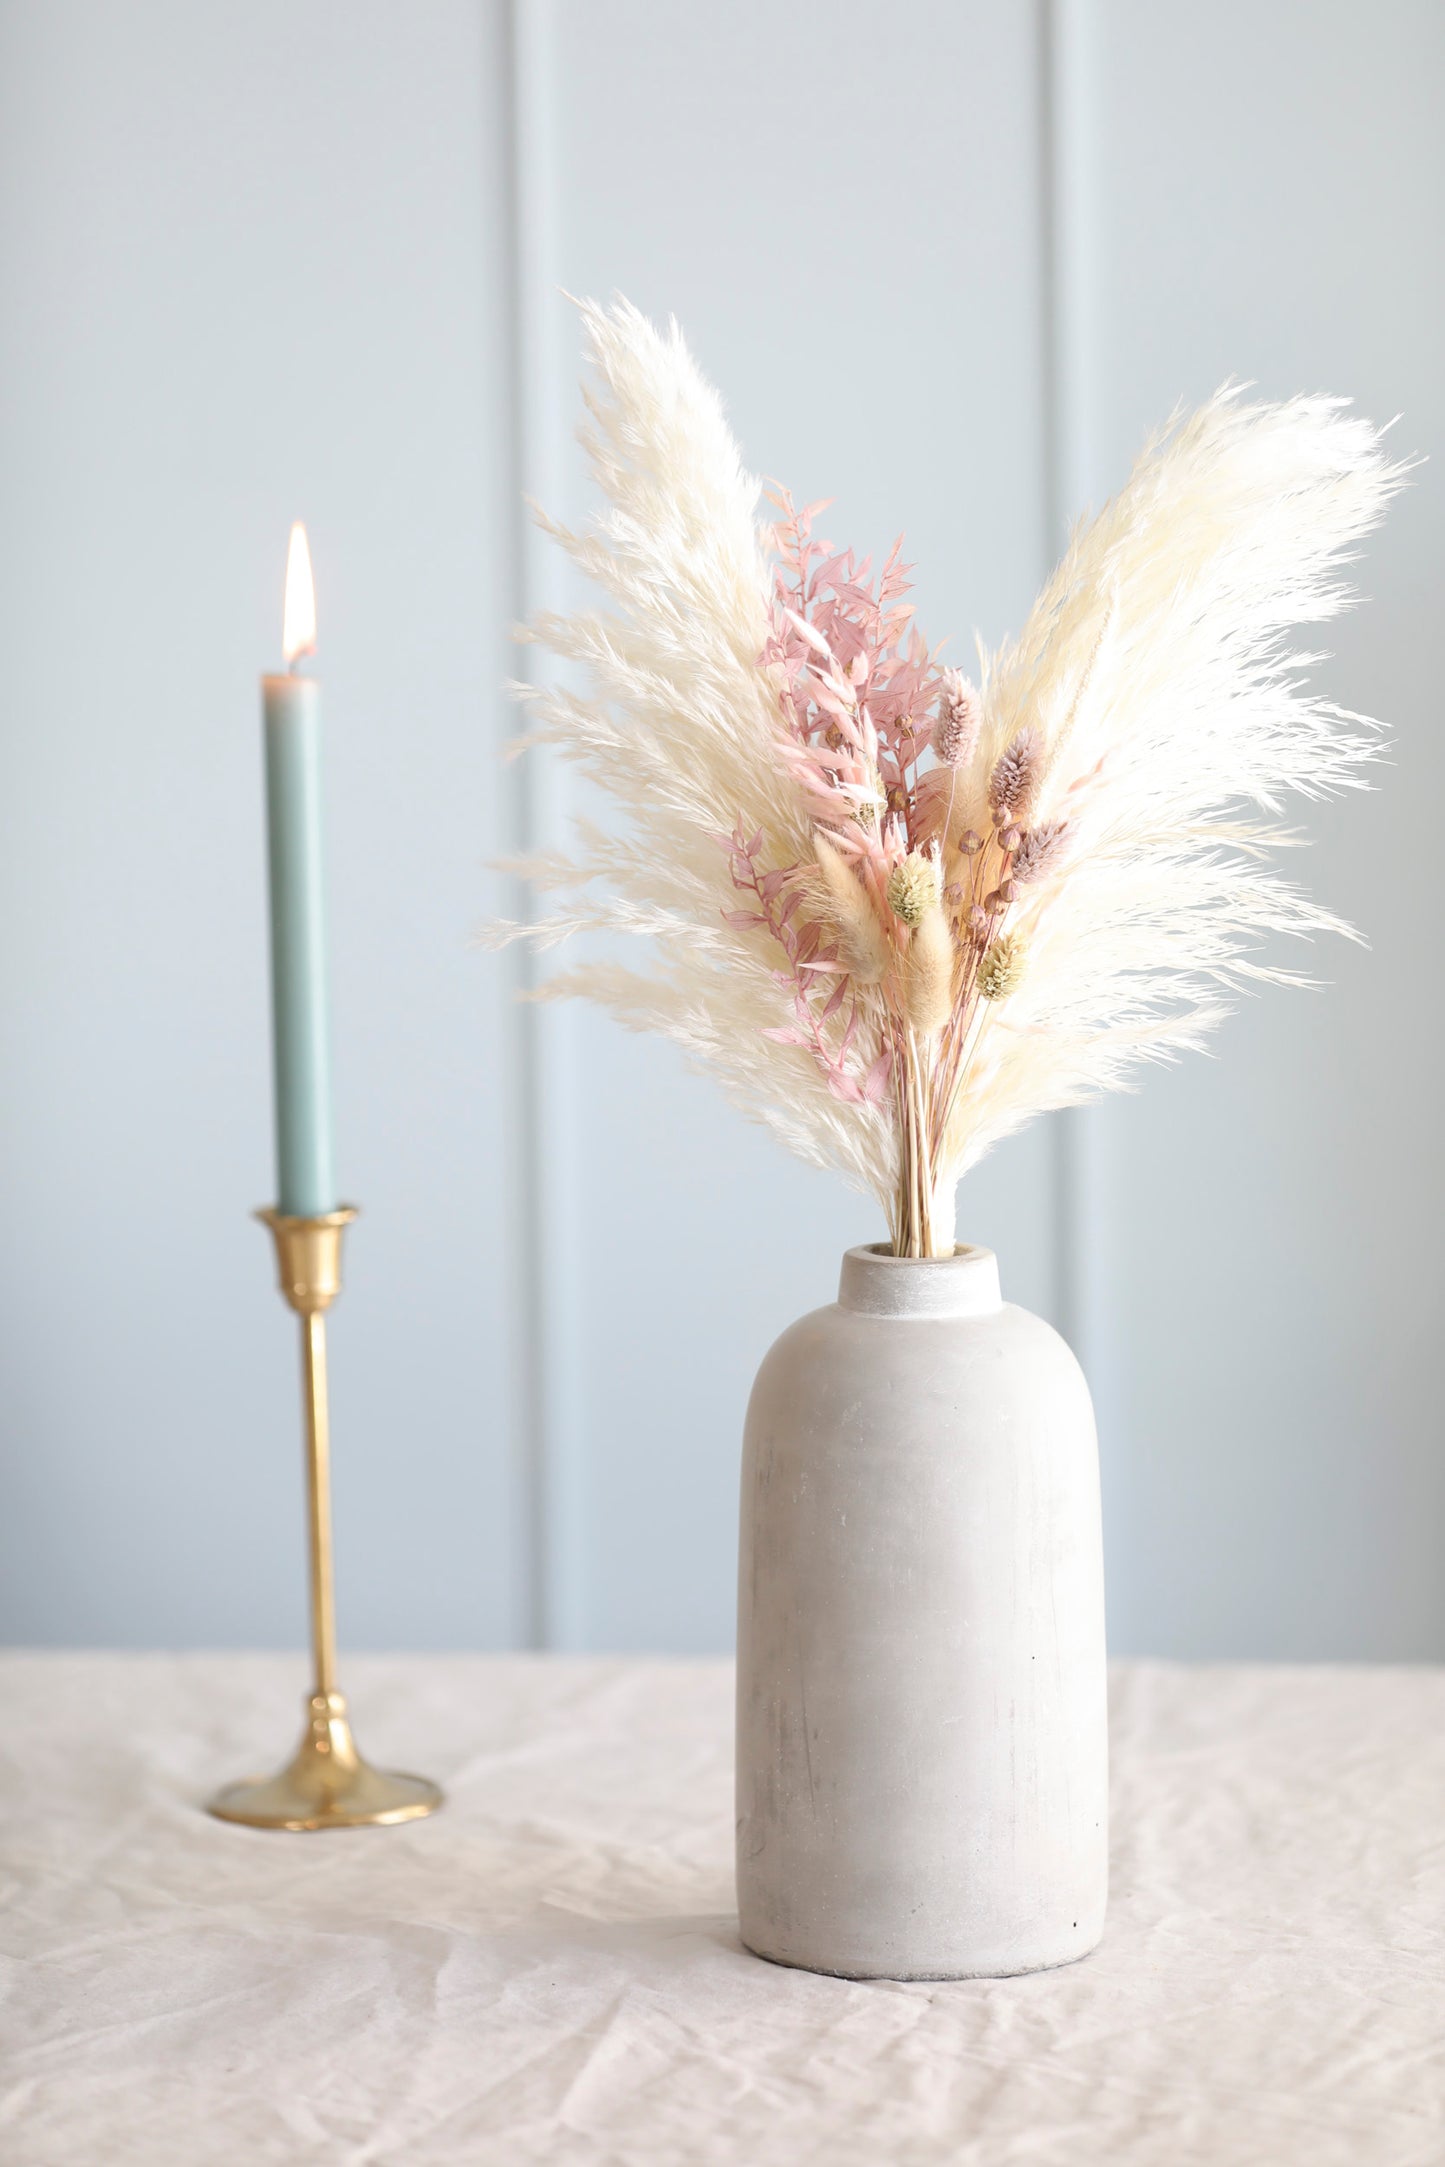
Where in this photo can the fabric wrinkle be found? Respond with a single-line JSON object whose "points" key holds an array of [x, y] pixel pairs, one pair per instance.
{"points": [[549, 1971]]}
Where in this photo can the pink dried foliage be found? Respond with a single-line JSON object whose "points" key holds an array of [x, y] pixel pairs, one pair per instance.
{"points": [[815, 977], [934, 797], [863, 705], [855, 683]]}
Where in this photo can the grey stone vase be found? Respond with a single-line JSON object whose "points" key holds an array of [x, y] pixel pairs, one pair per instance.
{"points": [[922, 1765]]}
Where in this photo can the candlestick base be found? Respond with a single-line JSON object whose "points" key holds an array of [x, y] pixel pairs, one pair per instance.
{"points": [[328, 1784]]}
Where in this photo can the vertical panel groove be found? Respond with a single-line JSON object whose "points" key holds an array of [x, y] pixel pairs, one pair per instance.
{"points": [[529, 52], [1062, 211]]}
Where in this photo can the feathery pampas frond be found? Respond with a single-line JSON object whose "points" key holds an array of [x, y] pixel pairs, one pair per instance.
{"points": [[894, 964]]}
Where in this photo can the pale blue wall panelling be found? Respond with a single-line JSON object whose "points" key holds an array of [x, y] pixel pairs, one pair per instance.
{"points": [[254, 266], [1266, 1261], [948, 268]]}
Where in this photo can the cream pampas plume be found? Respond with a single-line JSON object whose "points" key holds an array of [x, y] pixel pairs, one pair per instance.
{"points": [[1156, 671], [894, 939], [679, 725]]}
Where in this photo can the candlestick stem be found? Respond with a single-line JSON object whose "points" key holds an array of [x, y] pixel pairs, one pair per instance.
{"points": [[318, 1500], [327, 1784]]}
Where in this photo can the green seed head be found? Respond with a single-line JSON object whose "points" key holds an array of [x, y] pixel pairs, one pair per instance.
{"points": [[913, 887]]}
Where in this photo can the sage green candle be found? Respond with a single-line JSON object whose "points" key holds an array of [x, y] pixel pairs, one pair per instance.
{"points": [[305, 1182]]}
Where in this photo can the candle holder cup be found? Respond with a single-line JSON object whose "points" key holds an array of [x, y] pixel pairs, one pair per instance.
{"points": [[327, 1784]]}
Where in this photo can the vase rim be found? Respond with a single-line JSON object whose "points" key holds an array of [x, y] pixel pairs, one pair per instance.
{"points": [[881, 1284]]}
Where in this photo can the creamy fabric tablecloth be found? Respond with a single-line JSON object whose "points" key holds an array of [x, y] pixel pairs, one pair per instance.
{"points": [[550, 1969]]}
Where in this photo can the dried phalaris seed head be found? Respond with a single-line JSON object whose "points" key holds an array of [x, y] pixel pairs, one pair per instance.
{"points": [[1039, 850], [955, 733], [1014, 782], [913, 887], [1002, 967]]}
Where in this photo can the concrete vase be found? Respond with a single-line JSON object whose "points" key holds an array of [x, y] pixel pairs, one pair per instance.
{"points": [[921, 1740]]}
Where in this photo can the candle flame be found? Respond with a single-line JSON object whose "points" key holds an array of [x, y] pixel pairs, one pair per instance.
{"points": [[298, 621]]}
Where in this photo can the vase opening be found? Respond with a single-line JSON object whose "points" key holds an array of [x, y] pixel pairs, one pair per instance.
{"points": [[875, 1282]]}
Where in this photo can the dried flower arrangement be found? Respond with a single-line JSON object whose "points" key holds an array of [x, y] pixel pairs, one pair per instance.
{"points": [[895, 912]]}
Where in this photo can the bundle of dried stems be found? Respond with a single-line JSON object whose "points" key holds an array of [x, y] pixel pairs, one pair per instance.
{"points": [[894, 912]]}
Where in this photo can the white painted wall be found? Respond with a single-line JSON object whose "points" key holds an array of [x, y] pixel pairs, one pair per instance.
{"points": [[947, 267]]}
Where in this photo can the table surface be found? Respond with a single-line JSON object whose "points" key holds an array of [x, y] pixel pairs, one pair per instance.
{"points": [[550, 1969]]}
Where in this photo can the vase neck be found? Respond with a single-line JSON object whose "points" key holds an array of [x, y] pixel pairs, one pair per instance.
{"points": [[879, 1284]]}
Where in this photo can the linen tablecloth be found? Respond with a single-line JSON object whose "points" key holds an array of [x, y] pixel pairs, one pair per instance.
{"points": [[550, 1969]]}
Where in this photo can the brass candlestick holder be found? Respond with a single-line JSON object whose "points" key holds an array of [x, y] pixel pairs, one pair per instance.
{"points": [[328, 1784]]}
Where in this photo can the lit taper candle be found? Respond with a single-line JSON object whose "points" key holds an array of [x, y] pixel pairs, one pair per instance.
{"points": [[305, 1183]]}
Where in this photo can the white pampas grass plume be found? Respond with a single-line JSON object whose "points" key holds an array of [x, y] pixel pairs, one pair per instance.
{"points": [[1156, 669], [680, 727], [928, 974], [864, 943]]}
